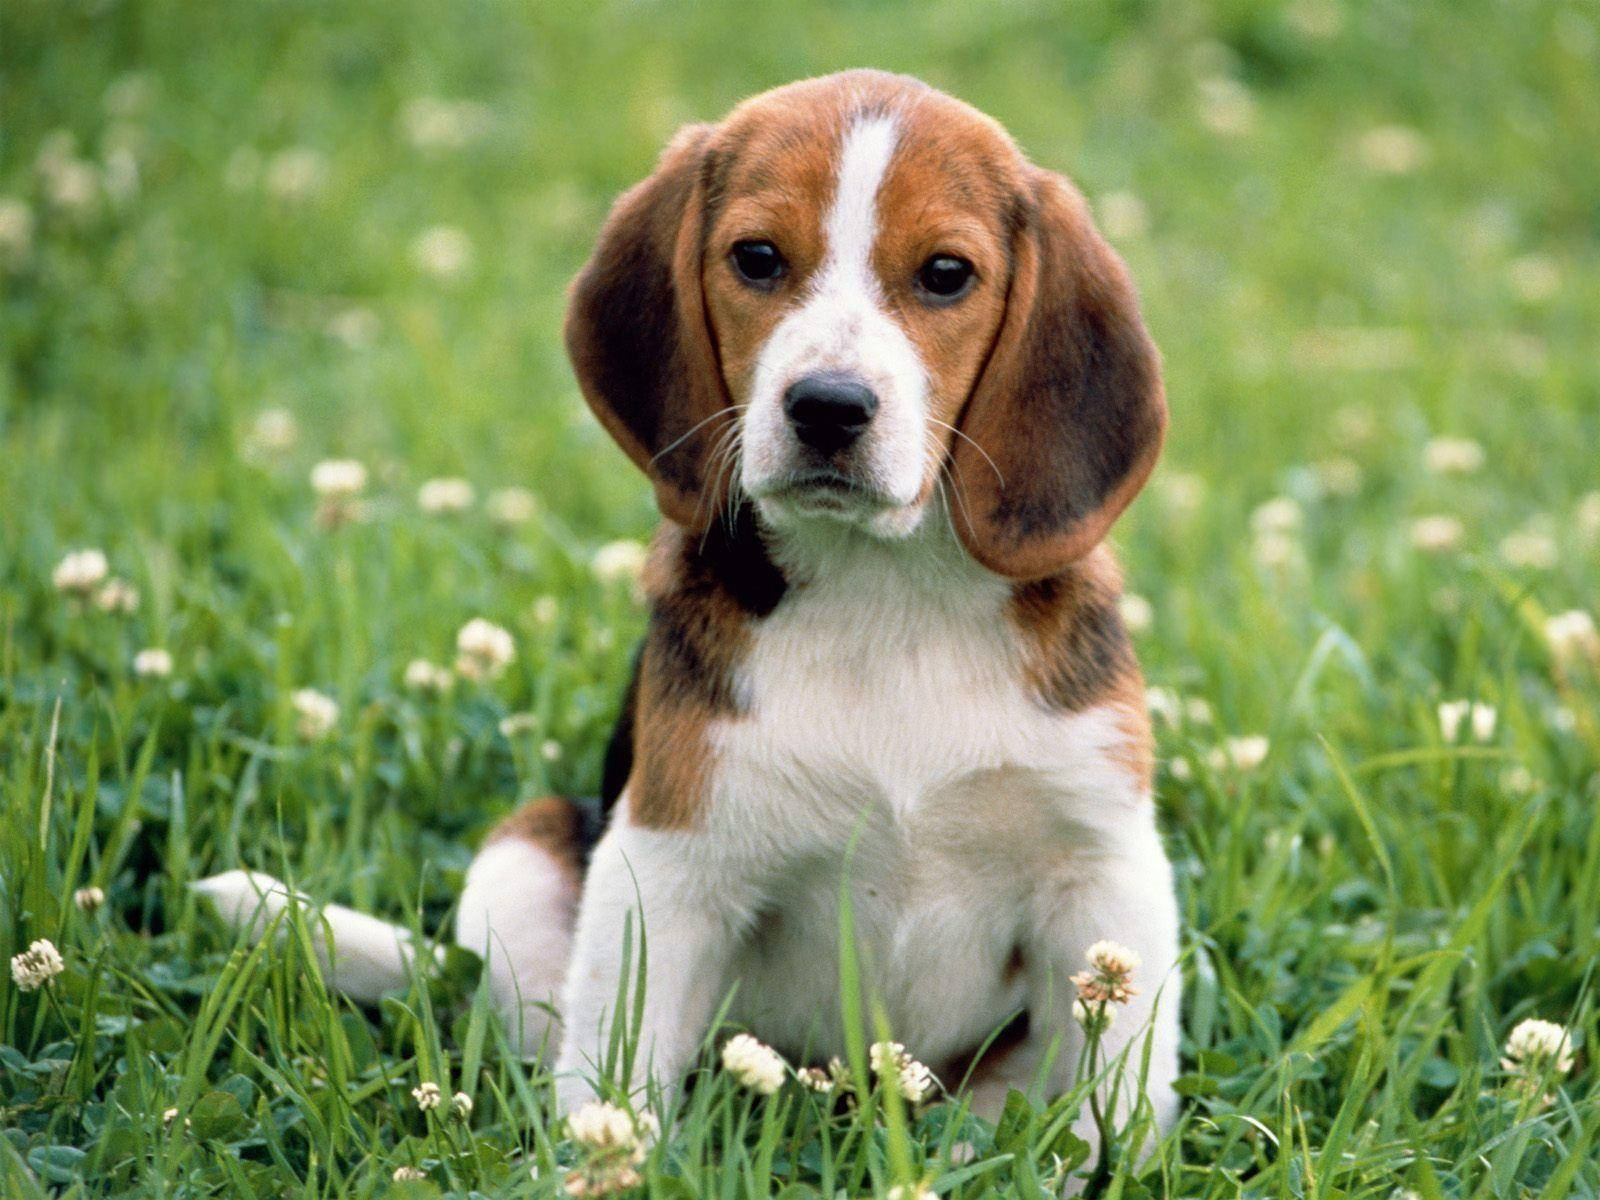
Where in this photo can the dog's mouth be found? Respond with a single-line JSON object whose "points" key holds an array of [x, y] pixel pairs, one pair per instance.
{"points": [[825, 490]]}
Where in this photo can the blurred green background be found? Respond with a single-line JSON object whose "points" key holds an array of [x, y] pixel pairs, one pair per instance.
{"points": [[1367, 237]]}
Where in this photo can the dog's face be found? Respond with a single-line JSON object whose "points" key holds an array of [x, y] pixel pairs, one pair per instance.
{"points": [[855, 287], [855, 279]]}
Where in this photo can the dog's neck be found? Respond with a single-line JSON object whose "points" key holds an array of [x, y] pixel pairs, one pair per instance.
{"points": [[758, 564]]}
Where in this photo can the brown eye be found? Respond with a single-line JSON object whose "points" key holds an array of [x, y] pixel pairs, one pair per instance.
{"points": [[945, 277], [758, 262]]}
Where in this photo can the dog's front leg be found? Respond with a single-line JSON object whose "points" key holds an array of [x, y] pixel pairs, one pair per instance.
{"points": [[687, 911], [1121, 892]]}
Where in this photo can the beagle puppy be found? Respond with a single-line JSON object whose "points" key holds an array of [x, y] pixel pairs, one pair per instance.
{"points": [[891, 389]]}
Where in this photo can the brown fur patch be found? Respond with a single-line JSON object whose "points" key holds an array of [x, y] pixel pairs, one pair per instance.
{"points": [[553, 825], [1067, 420], [1078, 653], [705, 593], [949, 190]]}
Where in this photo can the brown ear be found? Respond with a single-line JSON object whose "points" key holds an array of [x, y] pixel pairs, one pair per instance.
{"points": [[1067, 418], [637, 335]]}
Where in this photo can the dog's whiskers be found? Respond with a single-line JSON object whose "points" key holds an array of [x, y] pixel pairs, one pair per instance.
{"points": [[946, 425], [733, 409]]}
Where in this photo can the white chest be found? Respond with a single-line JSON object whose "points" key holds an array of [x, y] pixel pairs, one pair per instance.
{"points": [[890, 736]]}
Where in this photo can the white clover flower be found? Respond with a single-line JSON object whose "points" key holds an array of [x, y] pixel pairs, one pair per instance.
{"points": [[1275, 551], [354, 328], [514, 724], [152, 663], [72, 185], [1534, 277], [129, 94], [1587, 516], [1436, 533], [1183, 492], [297, 173], [604, 1128], [80, 572], [483, 650], [432, 123], [1519, 781], [407, 1174], [890, 1061], [1164, 704], [16, 231], [117, 596], [1278, 515], [1240, 753], [1392, 150], [817, 1079], [912, 1191], [36, 966], [1112, 958], [1095, 1019], [315, 713], [1226, 106], [550, 750], [1536, 1046], [1138, 614], [1181, 769], [1572, 636], [442, 251], [444, 497], [428, 1095], [121, 174], [423, 676], [1453, 456], [619, 562], [1109, 978], [1122, 216], [271, 432], [511, 506], [89, 899], [1530, 547], [753, 1064], [461, 1106], [338, 478], [1453, 714], [546, 610]]}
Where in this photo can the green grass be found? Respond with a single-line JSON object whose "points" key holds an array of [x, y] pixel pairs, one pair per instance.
{"points": [[1367, 913]]}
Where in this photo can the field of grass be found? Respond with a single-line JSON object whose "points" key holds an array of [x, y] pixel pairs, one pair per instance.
{"points": [[1368, 240]]}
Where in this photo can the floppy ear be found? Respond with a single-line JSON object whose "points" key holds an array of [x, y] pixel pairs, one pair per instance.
{"points": [[1069, 409], [637, 334]]}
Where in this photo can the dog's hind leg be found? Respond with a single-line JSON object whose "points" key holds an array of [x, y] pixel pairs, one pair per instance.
{"points": [[361, 956], [518, 910]]}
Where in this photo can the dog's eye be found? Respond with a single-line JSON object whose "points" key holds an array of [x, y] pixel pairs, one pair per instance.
{"points": [[945, 277], [758, 262]]}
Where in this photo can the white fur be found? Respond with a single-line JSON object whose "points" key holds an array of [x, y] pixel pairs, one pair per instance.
{"points": [[360, 955], [517, 910], [841, 324], [888, 714]]}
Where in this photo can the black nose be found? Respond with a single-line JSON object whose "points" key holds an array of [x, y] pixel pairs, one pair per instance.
{"points": [[829, 410]]}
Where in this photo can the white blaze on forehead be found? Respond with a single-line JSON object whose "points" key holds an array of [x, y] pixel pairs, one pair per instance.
{"points": [[852, 222], [842, 323]]}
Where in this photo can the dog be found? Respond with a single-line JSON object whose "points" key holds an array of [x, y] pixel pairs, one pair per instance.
{"points": [[891, 389]]}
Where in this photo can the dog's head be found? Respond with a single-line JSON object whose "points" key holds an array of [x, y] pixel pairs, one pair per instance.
{"points": [[850, 288]]}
